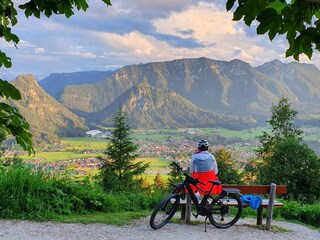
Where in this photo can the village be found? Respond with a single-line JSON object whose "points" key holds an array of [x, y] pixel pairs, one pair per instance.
{"points": [[174, 148]]}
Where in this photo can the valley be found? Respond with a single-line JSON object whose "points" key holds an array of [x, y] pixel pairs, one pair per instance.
{"points": [[78, 157], [178, 94]]}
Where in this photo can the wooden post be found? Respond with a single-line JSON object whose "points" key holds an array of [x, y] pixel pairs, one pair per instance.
{"points": [[259, 215], [183, 211], [273, 187], [187, 217]]}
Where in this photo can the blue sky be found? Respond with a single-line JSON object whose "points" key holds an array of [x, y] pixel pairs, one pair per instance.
{"points": [[134, 32]]}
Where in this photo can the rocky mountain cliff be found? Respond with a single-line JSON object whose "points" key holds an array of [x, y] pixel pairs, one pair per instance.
{"points": [[228, 88], [150, 108], [48, 119]]}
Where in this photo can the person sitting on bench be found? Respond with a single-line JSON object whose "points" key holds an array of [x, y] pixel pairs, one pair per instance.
{"points": [[203, 166]]}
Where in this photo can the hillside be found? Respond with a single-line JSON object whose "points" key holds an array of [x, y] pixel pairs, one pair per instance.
{"points": [[55, 82], [300, 79], [48, 119], [150, 107]]}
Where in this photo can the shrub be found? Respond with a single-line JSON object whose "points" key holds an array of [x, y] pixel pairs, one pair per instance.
{"points": [[305, 213]]}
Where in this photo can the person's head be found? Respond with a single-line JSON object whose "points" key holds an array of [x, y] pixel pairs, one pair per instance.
{"points": [[203, 145]]}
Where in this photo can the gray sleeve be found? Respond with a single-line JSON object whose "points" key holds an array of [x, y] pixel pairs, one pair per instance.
{"points": [[214, 165], [192, 164]]}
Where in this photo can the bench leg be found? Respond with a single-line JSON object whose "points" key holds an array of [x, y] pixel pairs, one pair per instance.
{"points": [[183, 211], [259, 215], [187, 218]]}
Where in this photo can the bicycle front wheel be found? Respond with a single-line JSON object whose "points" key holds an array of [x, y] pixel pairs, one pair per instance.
{"points": [[227, 212], [164, 211]]}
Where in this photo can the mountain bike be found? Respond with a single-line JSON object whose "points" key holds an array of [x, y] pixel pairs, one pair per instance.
{"points": [[223, 210]]}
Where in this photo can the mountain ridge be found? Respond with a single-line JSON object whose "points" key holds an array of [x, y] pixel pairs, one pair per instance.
{"points": [[192, 92], [48, 119], [217, 86]]}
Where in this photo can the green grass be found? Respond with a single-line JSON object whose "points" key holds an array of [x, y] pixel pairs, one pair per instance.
{"points": [[274, 228], [243, 134], [85, 143], [160, 136], [155, 163], [119, 219], [57, 156]]}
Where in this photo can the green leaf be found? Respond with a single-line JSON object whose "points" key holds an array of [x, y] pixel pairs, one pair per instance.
{"points": [[65, 8], [306, 44], [277, 5], [275, 27], [8, 90], [47, 12], [108, 2], [230, 4], [4, 60], [266, 19], [237, 15], [14, 123], [289, 51], [36, 13]]}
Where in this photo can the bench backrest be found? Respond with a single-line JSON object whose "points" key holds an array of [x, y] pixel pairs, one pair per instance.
{"points": [[257, 189]]}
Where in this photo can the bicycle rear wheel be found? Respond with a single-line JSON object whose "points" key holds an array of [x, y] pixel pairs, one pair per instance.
{"points": [[164, 211], [227, 212]]}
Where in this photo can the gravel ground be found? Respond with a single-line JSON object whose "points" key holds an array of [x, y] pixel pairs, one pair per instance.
{"points": [[244, 229]]}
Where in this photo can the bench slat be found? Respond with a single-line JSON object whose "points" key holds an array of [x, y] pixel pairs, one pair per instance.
{"points": [[257, 189], [265, 203]]}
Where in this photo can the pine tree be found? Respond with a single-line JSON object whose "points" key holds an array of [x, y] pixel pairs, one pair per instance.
{"points": [[175, 176], [119, 171], [228, 170], [159, 183]]}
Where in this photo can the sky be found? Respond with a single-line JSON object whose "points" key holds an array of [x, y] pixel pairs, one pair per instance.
{"points": [[133, 32]]}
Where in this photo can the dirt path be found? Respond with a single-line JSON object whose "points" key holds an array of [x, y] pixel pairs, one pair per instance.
{"points": [[245, 229]]}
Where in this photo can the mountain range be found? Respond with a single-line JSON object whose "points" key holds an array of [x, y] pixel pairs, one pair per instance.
{"points": [[198, 92]]}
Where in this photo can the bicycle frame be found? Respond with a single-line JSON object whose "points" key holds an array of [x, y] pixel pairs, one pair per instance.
{"points": [[186, 185]]}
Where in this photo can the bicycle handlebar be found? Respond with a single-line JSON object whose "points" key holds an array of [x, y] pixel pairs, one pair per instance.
{"points": [[188, 176]]}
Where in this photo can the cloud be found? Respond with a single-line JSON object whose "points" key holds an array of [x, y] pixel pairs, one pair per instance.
{"points": [[39, 50], [134, 32]]}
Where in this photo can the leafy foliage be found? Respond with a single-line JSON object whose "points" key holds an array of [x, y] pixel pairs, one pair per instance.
{"points": [[159, 183], [175, 176], [281, 122], [298, 20], [250, 171], [294, 164], [306, 213], [228, 171], [285, 159], [37, 195], [119, 171]]}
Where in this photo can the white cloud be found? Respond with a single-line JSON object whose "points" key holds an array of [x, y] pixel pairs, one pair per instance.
{"points": [[39, 50], [133, 43], [207, 23], [139, 32]]}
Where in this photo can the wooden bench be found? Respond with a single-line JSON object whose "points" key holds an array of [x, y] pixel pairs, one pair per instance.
{"points": [[270, 190]]}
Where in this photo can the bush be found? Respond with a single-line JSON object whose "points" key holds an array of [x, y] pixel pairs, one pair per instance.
{"points": [[294, 164], [26, 194], [307, 214]]}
